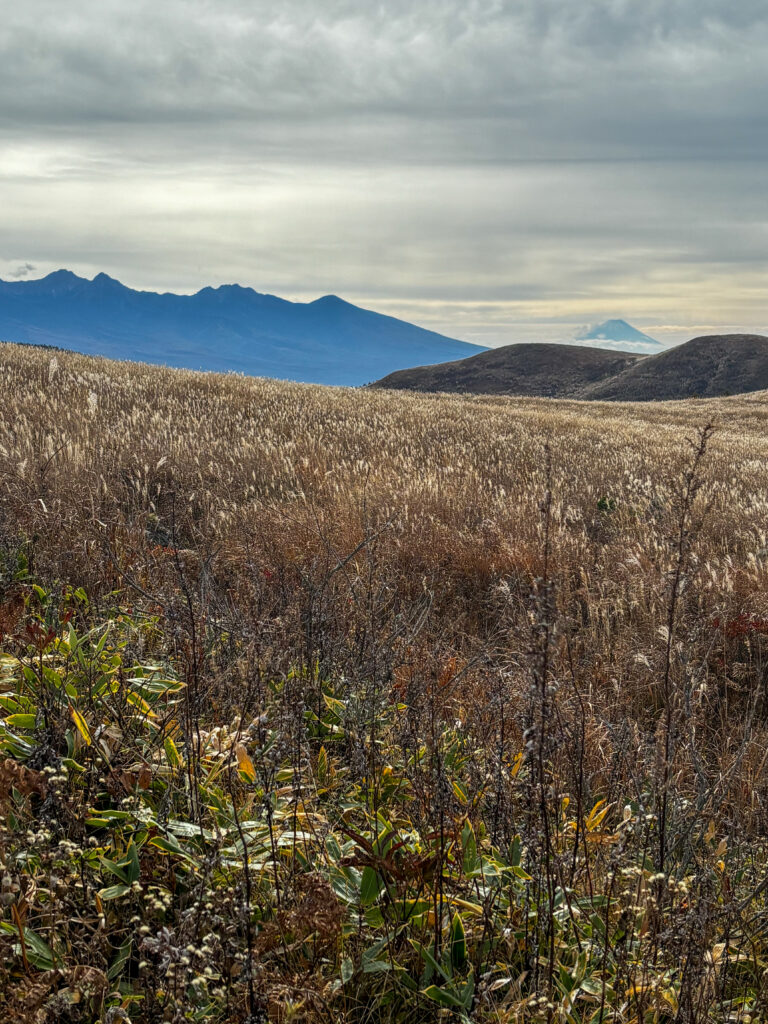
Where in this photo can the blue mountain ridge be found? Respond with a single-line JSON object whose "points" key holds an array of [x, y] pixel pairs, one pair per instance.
{"points": [[328, 341]]}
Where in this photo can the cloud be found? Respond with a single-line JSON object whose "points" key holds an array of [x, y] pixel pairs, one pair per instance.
{"points": [[530, 79], [602, 158], [22, 270]]}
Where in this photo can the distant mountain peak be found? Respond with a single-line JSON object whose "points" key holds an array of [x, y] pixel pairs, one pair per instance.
{"points": [[231, 327], [105, 281], [330, 301], [61, 275], [615, 330], [58, 279]]}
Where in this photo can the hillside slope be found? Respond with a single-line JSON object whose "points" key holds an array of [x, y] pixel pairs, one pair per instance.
{"points": [[538, 369], [328, 341], [706, 367]]}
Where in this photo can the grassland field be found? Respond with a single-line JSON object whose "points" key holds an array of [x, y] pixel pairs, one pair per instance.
{"points": [[344, 705]]}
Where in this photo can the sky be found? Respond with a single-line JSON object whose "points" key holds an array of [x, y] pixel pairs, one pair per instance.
{"points": [[498, 171]]}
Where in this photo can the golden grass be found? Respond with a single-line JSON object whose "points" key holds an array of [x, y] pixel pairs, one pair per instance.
{"points": [[507, 569]]}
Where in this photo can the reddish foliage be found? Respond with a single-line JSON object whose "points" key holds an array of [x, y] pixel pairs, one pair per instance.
{"points": [[742, 625]]}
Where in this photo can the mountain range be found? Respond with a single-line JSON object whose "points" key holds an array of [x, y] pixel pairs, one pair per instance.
{"points": [[328, 341], [705, 367]]}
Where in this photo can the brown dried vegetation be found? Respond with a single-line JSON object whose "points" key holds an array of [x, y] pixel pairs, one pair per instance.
{"points": [[466, 709]]}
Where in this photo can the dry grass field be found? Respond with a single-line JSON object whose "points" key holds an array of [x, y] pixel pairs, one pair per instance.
{"points": [[362, 706]]}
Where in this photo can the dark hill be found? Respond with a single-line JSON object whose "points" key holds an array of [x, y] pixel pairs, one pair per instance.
{"points": [[551, 371], [706, 367]]}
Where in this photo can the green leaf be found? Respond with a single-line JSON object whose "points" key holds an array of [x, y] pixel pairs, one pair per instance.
{"points": [[114, 892], [442, 997], [114, 816], [591, 986], [458, 943], [370, 887], [333, 848], [122, 958], [429, 959], [515, 852], [347, 970], [345, 882], [469, 847], [131, 863], [183, 828], [370, 960], [374, 917], [113, 869], [21, 721], [39, 953], [166, 845], [376, 966]]}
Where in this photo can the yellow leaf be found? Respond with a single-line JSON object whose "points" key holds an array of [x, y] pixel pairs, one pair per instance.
{"points": [[244, 763], [458, 792], [596, 815], [81, 725], [172, 753], [670, 996], [516, 764], [139, 703], [473, 908]]}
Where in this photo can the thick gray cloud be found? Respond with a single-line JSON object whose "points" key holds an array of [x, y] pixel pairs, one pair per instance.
{"points": [[484, 167]]}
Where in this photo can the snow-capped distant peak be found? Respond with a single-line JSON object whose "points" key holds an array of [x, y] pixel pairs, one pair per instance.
{"points": [[617, 331]]}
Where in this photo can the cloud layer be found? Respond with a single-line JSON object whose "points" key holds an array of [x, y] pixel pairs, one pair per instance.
{"points": [[480, 165]]}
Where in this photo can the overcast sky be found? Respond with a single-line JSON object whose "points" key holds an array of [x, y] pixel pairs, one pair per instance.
{"points": [[500, 171]]}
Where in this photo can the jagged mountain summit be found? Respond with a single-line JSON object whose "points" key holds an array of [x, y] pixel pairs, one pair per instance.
{"points": [[618, 334], [705, 367], [328, 341]]}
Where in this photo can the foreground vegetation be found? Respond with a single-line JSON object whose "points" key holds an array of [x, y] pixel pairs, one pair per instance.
{"points": [[339, 706]]}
